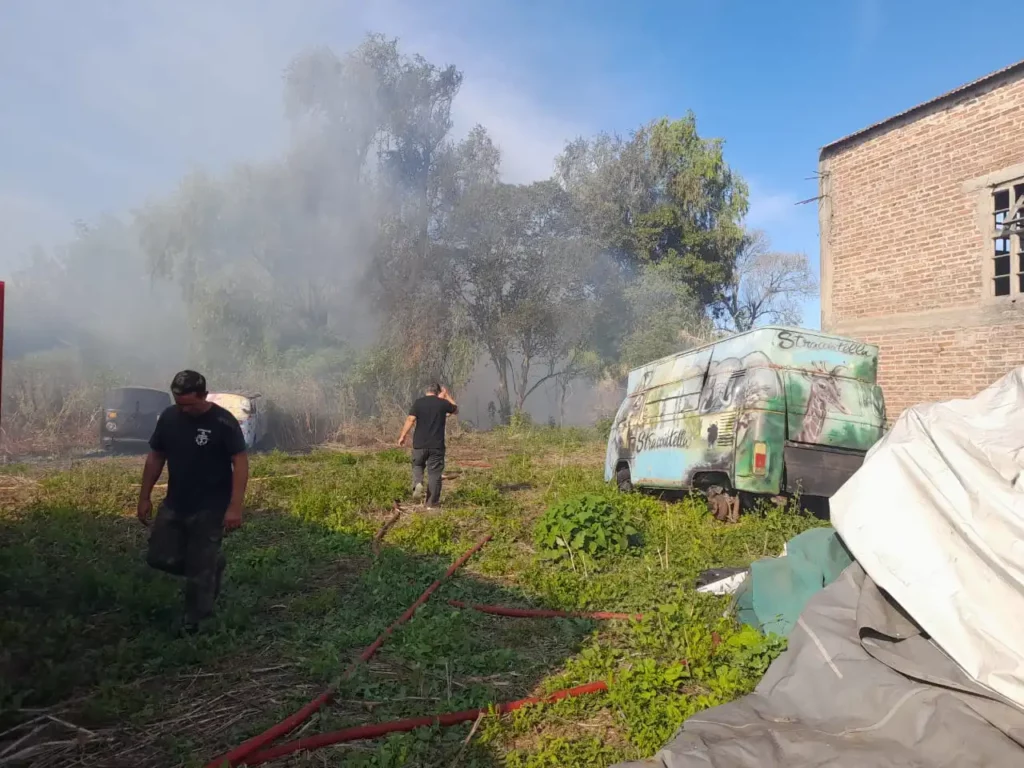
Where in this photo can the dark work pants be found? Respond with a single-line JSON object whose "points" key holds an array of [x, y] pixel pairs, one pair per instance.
{"points": [[433, 460], [189, 545]]}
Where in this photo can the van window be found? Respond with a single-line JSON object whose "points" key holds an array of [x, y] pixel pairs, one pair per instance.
{"points": [[130, 399], [652, 410], [670, 400], [673, 406], [723, 392]]}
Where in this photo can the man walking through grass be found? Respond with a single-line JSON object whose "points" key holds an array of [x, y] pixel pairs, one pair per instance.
{"points": [[204, 450], [427, 419]]}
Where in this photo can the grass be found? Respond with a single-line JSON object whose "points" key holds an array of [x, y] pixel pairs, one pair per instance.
{"points": [[87, 630]]}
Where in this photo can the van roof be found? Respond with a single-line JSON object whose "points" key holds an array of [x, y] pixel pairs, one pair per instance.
{"points": [[759, 330]]}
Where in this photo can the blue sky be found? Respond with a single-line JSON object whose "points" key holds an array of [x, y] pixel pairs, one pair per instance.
{"points": [[106, 103]]}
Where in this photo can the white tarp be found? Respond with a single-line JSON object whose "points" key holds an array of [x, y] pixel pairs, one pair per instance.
{"points": [[936, 518]]}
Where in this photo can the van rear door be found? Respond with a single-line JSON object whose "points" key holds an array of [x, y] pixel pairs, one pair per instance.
{"points": [[831, 422], [131, 413], [823, 409]]}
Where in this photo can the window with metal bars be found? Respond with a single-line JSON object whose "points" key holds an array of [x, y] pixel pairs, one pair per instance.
{"points": [[1008, 241]]}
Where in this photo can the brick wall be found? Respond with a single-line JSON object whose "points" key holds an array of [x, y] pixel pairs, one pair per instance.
{"points": [[903, 252], [924, 366], [903, 235]]}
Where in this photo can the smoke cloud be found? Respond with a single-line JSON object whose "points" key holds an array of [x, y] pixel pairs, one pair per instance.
{"points": [[200, 122]]}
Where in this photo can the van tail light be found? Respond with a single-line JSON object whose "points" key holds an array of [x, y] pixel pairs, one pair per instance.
{"points": [[760, 458]]}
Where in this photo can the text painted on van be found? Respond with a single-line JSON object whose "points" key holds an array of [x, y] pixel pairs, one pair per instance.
{"points": [[650, 441], [790, 340]]}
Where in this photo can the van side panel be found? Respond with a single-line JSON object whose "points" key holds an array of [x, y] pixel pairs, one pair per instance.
{"points": [[657, 426], [797, 384], [665, 440], [815, 352], [760, 426], [616, 449], [758, 404]]}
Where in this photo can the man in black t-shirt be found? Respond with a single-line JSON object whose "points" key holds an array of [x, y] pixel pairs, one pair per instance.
{"points": [[204, 449], [429, 415]]}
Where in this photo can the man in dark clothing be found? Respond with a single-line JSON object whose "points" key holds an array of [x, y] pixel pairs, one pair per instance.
{"points": [[207, 466], [429, 415]]}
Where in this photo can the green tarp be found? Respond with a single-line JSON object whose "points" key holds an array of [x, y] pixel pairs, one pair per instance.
{"points": [[773, 596]]}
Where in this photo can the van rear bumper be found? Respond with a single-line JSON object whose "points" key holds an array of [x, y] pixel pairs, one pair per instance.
{"points": [[819, 470]]}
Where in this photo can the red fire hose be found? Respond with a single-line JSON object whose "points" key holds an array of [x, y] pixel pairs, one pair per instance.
{"points": [[543, 613], [2, 295], [380, 729], [238, 755]]}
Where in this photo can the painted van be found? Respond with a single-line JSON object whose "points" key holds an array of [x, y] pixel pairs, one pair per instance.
{"points": [[245, 408], [772, 411]]}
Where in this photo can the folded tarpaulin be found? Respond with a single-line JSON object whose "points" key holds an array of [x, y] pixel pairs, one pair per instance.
{"points": [[858, 686], [771, 598], [936, 517]]}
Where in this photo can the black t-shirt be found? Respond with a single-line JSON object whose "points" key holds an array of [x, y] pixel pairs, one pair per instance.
{"points": [[431, 413], [199, 450]]}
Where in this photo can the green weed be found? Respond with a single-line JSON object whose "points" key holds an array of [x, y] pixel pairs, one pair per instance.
{"points": [[393, 456], [87, 628], [585, 525]]}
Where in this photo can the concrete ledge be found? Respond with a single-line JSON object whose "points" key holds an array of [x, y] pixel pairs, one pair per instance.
{"points": [[1008, 311]]}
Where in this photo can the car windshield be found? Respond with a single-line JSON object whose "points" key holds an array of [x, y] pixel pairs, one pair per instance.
{"points": [[131, 399]]}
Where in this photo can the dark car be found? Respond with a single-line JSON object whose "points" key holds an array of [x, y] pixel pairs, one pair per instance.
{"points": [[129, 416]]}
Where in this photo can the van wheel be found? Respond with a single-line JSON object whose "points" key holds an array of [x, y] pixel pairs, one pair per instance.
{"points": [[623, 480]]}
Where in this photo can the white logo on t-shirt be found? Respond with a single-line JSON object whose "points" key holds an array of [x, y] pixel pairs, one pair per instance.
{"points": [[203, 436]]}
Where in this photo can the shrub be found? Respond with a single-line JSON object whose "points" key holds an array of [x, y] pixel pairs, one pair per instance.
{"points": [[344, 459], [393, 456], [520, 420], [603, 427], [588, 524]]}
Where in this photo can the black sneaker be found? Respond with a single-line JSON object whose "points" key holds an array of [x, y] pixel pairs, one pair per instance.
{"points": [[190, 628]]}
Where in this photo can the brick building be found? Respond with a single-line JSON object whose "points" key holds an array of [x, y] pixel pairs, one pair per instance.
{"points": [[921, 249]]}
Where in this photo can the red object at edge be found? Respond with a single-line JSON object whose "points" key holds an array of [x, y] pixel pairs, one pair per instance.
{"points": [[3, 287], [543, 613], [238, 755], [380, 729]]}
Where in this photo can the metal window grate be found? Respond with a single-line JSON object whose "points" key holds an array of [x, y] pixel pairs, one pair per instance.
{"points": [[1008, 241], [727, 430]]}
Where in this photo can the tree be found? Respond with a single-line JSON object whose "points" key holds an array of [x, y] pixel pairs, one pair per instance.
{"points": [[664, 318], [335, 243], [379, 252], [522, 267], [63, 300], [665, 196], [260, 273], [768, 286]]}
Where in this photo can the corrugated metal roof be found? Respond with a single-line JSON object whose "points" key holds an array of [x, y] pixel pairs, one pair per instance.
{"points": [[1015, 69]]}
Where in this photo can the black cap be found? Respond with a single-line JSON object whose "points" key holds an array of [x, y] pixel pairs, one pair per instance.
{"points": [[188, 383]]}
